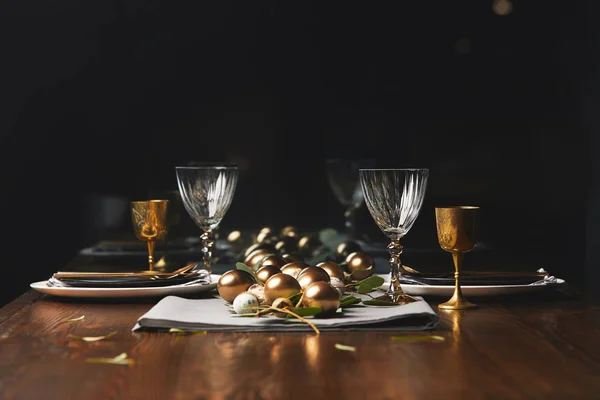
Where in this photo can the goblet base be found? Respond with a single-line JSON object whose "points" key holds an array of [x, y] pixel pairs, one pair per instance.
{"points": [[396, 298], [457, 303]]}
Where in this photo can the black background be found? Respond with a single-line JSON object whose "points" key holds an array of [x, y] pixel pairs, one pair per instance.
{"points": [[105, 98]]}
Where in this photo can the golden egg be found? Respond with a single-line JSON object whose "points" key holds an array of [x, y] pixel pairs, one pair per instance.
{"points": [[272, 259], [234, 282], [266, 237], [332, 268], [236, 241], [281, 285], [288, 231], [308, 245], [359, 264], [255, 257], [259, 246], [267, 271], [289, 257], [293, 268], [287, 244], [311, 275], [321, 295], [258, 290], [345, 248]]}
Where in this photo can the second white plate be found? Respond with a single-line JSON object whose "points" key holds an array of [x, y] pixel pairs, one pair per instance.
{"points": [[125, 292]]}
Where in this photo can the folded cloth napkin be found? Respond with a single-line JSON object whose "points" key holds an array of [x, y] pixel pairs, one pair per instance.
{"points": [[213, 315], [199, 276]]}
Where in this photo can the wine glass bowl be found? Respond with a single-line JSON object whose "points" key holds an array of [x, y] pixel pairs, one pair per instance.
{"points": [[149, 219], [394, 198], [206, 194], [343, 179], [456, 231]]}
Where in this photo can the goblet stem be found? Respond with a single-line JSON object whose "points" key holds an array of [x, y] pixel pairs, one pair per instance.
{"points": [[349, 223], [151, 255], [457, 302], [208, 241], [395, 294]]}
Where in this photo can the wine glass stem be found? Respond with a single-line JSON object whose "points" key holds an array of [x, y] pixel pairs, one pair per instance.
{"points": [[151, 255], [395, 249], [208, 241], [457, 258], [349, 215]]}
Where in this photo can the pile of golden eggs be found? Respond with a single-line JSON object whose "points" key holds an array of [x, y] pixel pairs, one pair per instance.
{"points": [[279, 272]]}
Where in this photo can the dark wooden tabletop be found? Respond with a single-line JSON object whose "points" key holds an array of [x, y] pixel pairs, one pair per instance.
{"points": [[506, 349]]}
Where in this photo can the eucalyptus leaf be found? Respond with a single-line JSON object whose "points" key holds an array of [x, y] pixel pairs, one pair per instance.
{"points": [[304, 312], [344, 347], [374, 302], [76, 319], [349, 301], [369, 284], [121, 359], [428, 338], [359, 272], [243, 267], [92, 338], [295, 298]]}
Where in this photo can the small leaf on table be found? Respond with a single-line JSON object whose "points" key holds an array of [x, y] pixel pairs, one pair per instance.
{"points": [[92, 338], [121, 359], [349, 300], [344, 347], [369, 284], [76, 319], [184, 332]]}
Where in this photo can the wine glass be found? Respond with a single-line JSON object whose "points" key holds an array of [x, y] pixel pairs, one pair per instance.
{"points": [[342, 176], [206, 193], [456, 231], [149, 220], [394, 198]]}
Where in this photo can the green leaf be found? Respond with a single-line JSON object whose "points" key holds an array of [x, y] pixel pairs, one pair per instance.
{"points": [[349, 301], [379, 303], [295, 298], [304, 312], [359, 272], [344, 347], [428, 338], [369, 284], [243, 267]]}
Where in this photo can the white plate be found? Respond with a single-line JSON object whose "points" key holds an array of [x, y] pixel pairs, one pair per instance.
{"points": [[473, 291], [125, 292]]}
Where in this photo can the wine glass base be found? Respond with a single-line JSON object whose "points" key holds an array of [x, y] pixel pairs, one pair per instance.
{"points": [[396, 298], [457, 304]]}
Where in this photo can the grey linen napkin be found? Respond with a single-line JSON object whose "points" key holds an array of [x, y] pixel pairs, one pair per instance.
{"points": [[213, 315]]}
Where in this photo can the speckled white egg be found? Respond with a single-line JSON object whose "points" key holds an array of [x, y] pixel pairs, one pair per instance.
{"points": [[245, 303], [339, 285]]}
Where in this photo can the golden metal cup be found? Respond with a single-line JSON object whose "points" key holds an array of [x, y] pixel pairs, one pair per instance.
{"points": [[149, 220], [456, 230]]}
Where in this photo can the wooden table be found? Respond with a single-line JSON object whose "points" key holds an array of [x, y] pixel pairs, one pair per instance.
{"points": [[506, 349]]}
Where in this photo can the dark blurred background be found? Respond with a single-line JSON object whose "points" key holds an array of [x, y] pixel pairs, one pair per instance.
{"points": [[99, 101]]}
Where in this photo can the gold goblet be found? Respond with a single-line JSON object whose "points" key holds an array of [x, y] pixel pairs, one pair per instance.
{"points": [[149, 223], [456, 229]]}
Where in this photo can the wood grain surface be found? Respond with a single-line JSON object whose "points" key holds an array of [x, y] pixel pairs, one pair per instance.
{"points": [[504, 350]]}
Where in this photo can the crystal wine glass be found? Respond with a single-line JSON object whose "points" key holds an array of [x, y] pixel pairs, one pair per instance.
{"points": [[342, 176], [149, 220], [206, 193], [394, 198]]}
